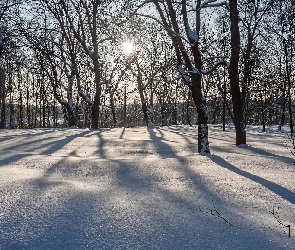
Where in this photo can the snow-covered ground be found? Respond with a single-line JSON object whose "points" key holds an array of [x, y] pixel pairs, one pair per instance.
{"points": [[145, 189]]}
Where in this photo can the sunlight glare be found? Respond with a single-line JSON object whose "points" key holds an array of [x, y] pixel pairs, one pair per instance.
{"points": [[127, 48]]}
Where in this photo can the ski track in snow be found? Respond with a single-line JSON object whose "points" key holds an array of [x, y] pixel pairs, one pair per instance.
{"points": [[139, 188]]}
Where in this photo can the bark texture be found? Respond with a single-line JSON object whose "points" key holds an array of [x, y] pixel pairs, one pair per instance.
{"points": [[234, 75]]}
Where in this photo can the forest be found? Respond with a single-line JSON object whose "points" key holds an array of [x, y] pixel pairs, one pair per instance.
{"points": [[147, 124], [128, 63]]}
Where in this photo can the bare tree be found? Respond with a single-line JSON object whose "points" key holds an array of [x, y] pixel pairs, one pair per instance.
{"points": [[234, 75], [177, 19], [6, 7]]}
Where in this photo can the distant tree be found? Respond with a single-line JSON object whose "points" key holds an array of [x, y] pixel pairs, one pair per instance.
{"points": [[286, 37], [70, 47], [150, 60], [252, 16], [5, 5], [7, 53]]}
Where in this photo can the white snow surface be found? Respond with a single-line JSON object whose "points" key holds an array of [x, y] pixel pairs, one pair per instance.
{"points": [[139, 188], [193, 34], [184, 74]]}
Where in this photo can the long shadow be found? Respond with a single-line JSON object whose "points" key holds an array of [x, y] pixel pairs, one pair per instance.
{"points": [[27, 132], [129, 178], [191, 145], [275, 188], [285, 159], [184, 134], [51, 147], [55, 146], [101, 144], [226, 137], [81, 220], [161, 147], [191, 207], [122, 134], [27, 143], [196, 181], [15, 156]]}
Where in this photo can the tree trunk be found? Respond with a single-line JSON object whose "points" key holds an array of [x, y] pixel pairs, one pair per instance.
{"points": [[3, 103], [283, 105], [196, 87], [200, 102], [43, 109], [71, 116], [143, 103], [3, 108], [96, 105], [11, 110], [152, 103], [36, 110], [290, 98], [28, 108], [234, 75], [125, 105], [246, 72], [68, 107], [96, 66], [21, 119], [112, 104]]}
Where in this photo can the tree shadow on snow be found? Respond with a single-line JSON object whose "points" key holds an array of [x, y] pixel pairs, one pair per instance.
{"points": [[70, 217], [100, 150], [48, 146], [259, 151], [162, 148], [190, 136], [275, 188], [121, 135]]}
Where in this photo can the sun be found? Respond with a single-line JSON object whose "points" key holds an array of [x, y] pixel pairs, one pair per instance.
{"points": [[128, 48]]}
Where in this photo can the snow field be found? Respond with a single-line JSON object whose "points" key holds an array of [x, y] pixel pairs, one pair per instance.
{"points": [[139, 188]]}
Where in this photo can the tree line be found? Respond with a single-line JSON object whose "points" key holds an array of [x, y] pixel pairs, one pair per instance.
{"points": [[62, 63]]}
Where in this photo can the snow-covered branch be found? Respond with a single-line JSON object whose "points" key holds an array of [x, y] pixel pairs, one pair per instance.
{"points": [[208, 3], [223, 62], [86, 98], [176, 34], [184, 74], [212, 3], [194, 71], [192, 34], [213, 57]]}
